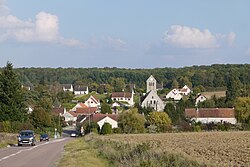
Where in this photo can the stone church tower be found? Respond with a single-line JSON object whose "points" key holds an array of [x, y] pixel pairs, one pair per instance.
{"points": [[151, 84]]}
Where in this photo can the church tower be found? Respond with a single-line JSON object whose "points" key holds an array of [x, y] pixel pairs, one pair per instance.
{"points": [[151, 84]]}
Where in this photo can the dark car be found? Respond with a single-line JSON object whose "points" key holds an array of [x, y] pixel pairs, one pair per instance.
{"points": [[26, 137], [44, 137]]}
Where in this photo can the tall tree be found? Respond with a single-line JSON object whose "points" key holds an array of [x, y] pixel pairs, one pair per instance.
{"points": [[233, 89], [242, 109], [12, 107]]}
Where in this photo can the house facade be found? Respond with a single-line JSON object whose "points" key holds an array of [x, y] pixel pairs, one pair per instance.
{"points": [[209, 115], [200, 98], [123, 97], [81, 90], [174, 94], [68, 88], [70, 116], [92, 102]]}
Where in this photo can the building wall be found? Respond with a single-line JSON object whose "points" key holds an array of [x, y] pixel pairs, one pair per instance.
{"points": [[215, 120], [153, 101], [151, 84], [112, 122]]}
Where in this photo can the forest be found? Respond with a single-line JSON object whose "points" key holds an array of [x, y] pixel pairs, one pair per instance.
{"points": [[209, 78]]}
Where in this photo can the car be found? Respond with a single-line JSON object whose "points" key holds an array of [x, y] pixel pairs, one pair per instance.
{"points": [[26, 137], [73, 135], [44, 137]]}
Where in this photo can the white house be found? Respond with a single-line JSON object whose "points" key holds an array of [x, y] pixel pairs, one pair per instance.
{"points": [[200, 98], [209, 115], [100, 119], [185, 90], [92, 102], [123, 97], [70, 116], [81, 90], [68, 87], [174, 94]]}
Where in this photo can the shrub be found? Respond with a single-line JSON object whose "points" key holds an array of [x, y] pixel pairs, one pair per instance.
{"points": [[106, 129], [117, 130]]}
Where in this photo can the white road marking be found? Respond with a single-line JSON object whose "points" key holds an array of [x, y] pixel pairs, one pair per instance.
{"points": [[49, 142]]}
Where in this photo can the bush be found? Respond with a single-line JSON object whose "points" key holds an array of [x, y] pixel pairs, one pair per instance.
{"points": [[117, 130], [106, 129]]}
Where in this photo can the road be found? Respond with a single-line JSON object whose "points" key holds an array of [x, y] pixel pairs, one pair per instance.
{"points": [[44, 154]]}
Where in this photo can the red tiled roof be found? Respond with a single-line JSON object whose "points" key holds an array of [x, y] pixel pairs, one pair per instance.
{"points": [[210, 112], [96, 99], [72, 113], [83, 105], [89, 110], [122, 94]]}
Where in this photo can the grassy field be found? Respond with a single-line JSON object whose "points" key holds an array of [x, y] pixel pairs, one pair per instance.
{"points": [[7, 139], [216, 93], [217, 148], [79, 154]]}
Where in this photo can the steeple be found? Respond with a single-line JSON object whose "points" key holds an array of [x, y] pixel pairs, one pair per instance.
{"points": [[151, 84]]}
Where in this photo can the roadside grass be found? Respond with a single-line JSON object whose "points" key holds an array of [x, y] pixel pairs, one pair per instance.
{"points": [[7, 139], [77, 153], [149, 154]]}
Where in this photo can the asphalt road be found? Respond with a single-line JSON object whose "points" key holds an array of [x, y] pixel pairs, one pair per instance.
{"points": [[44, 154]]}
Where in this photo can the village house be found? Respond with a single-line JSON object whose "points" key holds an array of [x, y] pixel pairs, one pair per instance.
{"points": [[151, 99], [68, 88], [126, 97], [177, 94], [81, 90], [209, 115], [70, 116], [79, 105], [86, 111], [92, 101], [58, 111], [100, 119], [200, 98]]}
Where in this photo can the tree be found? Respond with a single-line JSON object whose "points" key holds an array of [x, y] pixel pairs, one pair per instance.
{"points": [[172, 113], [175, 84], [105, 108], [40, 118], [12, 106], [118, 84], [159, 119], [233, 89], [106, 129], [131, 122], [242, 109]]}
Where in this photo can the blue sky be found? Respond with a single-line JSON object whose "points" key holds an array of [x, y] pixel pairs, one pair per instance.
{"points": [[130, 34]]}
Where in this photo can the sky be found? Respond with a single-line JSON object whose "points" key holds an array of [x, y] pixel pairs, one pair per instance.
{"points": [[125, 34]]}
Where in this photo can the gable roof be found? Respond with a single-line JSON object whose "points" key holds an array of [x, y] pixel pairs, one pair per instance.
{"points": [[80, 88], [98, 117], [151, 78], [121, 94], [95, 99], [72, 113], [67, 86], [88, 110], [83, 105], [210, 112]]}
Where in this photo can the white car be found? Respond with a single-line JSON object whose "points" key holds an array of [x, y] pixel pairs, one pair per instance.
{"points": [[73, 135]]}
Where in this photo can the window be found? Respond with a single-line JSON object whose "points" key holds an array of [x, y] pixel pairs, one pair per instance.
{"points": [[154, 101], [152, 97]]}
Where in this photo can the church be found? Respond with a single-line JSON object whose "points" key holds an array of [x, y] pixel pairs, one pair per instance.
{"points": [[151, 99]]}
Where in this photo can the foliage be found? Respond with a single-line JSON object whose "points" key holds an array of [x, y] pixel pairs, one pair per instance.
{"points": [[91, 127], [105, 108], [159, 119], [106, 129], [242, 109], [118, 84], [40, 118], [131, 122], [12, 107]]}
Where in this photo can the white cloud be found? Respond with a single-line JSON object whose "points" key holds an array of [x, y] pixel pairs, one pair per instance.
{"points": [[10, 21], [3, 8], [44, 29], [115, 43], [188, 37]]}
